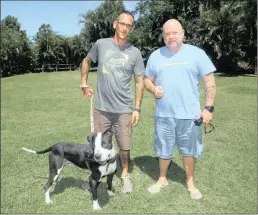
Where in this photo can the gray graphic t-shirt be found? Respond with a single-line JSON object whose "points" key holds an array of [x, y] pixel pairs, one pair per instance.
{"points": [[116, 67]]}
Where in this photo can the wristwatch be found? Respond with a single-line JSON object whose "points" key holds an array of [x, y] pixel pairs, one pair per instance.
{"points": [[137, 109], [209, 108]]}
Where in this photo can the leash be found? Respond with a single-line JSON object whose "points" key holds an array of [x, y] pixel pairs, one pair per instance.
{"points": [[91, 115], [111, 161]]}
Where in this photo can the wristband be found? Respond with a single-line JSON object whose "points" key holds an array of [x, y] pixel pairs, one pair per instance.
{"points": [[137, 109], [84, 86]]}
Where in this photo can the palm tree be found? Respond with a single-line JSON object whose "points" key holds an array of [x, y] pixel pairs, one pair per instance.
{"points": [[225, 31]]}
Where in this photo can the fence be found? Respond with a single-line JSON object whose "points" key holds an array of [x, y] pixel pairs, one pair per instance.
{"points": [[56, 67]]}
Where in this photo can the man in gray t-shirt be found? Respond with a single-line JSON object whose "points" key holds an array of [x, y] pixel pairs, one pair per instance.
{"points": [[117, 61], [116, 66]]}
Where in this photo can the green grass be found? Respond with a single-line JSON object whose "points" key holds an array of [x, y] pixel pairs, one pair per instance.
{"points": [[39, 110]]}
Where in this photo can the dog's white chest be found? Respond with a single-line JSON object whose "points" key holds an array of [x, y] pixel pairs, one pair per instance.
{"points": [[107, 169]]}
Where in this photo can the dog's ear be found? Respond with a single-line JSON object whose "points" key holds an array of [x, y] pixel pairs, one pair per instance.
{"points": [[91, 138]]}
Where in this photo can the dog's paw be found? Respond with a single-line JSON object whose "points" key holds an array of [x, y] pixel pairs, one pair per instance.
{"points": [[110, 193], [96, 205], [49, 201]]}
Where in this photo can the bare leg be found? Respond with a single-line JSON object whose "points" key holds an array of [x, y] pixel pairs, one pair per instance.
{"points": [[162, 181], [124, 159], [163, 169], [189, 164]]}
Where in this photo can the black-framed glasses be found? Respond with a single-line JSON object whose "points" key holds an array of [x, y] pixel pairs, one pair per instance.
{"points": [[128, 26], [198, 122]]}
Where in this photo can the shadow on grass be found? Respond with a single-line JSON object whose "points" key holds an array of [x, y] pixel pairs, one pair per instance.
{"points": [[231, 75], [70, 182], [150, 166]]}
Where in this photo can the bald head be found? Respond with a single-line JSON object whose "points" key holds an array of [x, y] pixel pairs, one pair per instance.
{"points": [[172, 24], [173, 34]]}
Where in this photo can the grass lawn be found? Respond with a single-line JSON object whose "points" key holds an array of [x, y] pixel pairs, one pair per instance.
{"points": [[39, 110]]}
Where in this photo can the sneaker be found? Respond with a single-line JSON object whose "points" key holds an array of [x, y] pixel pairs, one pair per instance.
{"points": [[155, 188], [127, 184], [195, 194]]}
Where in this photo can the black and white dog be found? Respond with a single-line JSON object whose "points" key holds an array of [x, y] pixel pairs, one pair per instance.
{"points": [[98, 155]]}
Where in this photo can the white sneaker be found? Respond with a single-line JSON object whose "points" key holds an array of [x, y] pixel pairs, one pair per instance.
{"points": [[127, 184]]}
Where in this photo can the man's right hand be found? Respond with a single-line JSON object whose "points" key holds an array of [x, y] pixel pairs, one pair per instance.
{"points": [[87, 92], [158, 92]]}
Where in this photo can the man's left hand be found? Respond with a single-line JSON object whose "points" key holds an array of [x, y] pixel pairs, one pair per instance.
{"points": [[135, 118], [207, 116]]}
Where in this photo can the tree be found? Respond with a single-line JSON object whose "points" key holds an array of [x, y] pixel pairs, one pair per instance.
{"points": [[16, 54], [225, 29], [77, 49], [46, 42], [223, 32], [219, 27], [99, 23]]}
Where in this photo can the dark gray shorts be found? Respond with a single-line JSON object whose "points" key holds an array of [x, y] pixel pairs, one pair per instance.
{"points": [[181, 132], [120, 122]]}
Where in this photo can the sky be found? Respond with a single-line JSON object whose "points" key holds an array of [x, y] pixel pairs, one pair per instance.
{"points": [[63, 16]]}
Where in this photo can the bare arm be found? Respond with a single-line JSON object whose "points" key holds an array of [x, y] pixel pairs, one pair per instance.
{"points": [[86, 63], [210, 95], [157, 91], [149, 84], [87, 91], [139, 88], [210, 89]]}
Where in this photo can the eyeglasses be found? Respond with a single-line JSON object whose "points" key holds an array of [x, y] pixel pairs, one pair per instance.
{"points": [[198, 122], [128, 26]]}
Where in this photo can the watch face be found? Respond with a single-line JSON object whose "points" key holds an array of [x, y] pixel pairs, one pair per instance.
{"points": [[209, 108]]}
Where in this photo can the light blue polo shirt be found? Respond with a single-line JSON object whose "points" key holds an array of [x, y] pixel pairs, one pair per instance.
{"points": [[178, 74]]}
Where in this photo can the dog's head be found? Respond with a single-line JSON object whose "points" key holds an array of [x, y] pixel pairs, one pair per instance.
{"points": [[102, 146]]}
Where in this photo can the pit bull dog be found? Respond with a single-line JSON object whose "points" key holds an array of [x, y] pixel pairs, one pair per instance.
{"points": [[98, 155]]}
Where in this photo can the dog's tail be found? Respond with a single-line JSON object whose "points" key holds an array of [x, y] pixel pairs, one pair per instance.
{"points": [[38, 152]]}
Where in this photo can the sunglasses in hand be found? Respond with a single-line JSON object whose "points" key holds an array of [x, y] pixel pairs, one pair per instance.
{"points": [[199, 121]]}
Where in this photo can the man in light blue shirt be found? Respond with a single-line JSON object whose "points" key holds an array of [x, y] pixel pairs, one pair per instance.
{"points": [[172, 76]]}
